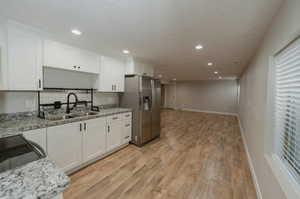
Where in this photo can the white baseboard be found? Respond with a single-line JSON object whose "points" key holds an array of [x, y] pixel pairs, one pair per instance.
{"points": [[253, 174], [205, 111]]}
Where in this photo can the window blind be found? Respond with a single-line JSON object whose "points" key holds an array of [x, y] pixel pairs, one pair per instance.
{"points": [[287, 107]]}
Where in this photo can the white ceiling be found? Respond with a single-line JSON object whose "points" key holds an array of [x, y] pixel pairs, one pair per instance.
{"points": [[162, 31]]}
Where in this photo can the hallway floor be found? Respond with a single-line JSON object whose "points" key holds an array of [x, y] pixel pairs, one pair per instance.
{"points": [[199, 155]]}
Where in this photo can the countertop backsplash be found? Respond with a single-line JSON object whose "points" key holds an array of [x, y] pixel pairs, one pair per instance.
{"points": [[26, 102]]}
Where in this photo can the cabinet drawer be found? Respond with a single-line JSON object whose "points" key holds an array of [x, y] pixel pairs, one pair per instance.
{"points": [[127, 131], [115, 117], [127, 123], [127, 115]]}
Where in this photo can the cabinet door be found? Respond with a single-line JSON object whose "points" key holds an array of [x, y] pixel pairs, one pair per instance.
{"points": [[24, 59], [119, 76], [38, 136], [114, 134], [148, 70], [94, 138], [62, 56], [106, 74], [112, 75], [64, 145], [89, 62], [127, 131], [139, 68]]}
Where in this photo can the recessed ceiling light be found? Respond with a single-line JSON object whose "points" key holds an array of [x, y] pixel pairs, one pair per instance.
{"points": [[216, 72], [220, 77], [76, 32], [126, 51], [198, 47], [174, 79], [160, 76], [210, 64]]}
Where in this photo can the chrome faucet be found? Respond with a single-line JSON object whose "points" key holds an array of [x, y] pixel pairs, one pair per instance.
{"points": [[68, 102]]}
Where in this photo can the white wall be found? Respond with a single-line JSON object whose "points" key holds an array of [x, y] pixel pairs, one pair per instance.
{"points": [[170, 96], [11, 102], [253, 95], [213, 96]]}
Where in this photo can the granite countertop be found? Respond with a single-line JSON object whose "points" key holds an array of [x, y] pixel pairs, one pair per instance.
{"points": [[18, 125], [40, 179]]}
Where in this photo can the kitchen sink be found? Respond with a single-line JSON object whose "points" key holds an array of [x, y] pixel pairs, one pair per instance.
{"points": [[65, 117], [84, 114], [75, 115], [91, 113]]}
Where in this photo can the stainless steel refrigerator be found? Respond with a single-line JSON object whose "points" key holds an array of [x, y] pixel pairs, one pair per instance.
{"points": [[143, 95]]}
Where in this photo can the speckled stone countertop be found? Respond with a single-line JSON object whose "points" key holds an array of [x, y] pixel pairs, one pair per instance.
{"points": [[40, 179], [18, 125]]}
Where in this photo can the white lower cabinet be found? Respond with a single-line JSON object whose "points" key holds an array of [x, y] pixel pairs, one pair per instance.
{"points": [[64, 145], [94, 138], [126, 131], [38, 136], [114, 132], [75, 144]]}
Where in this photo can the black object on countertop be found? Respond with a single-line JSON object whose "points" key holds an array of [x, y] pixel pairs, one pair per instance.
{"points": [[57, 104]]}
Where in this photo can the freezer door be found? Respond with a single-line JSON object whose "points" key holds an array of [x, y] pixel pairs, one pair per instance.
{"points": [[156, 93], [146, 106]]}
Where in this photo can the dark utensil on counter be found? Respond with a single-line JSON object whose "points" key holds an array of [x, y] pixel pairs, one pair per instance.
{"points": [[95, 108], [57, 104]]}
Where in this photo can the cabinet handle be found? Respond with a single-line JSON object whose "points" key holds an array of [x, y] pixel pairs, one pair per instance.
{"points": [[127, 137], [127, 125], [40, 83], [127, 115], [74, 67], [78, 67], [108, 128], [115, 118], [80, 127], [112, 87], [84, 126], [115, 87]]}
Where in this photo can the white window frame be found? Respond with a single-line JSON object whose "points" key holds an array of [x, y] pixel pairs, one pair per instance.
{"points": [[287, 182]]}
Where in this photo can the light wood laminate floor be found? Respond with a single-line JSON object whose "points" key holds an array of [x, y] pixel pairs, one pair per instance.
{"points": [[199, 155]]}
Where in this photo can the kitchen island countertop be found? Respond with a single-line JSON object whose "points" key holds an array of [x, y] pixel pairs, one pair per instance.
{"points": [[40, 179]]}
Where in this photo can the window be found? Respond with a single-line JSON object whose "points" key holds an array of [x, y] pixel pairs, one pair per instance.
{"points": [[287, 108]]}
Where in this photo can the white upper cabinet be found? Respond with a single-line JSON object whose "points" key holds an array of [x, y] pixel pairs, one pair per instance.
{"points": [[112, 75], [59, 55], [89, 61], [139, 67], [24, 58]]}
